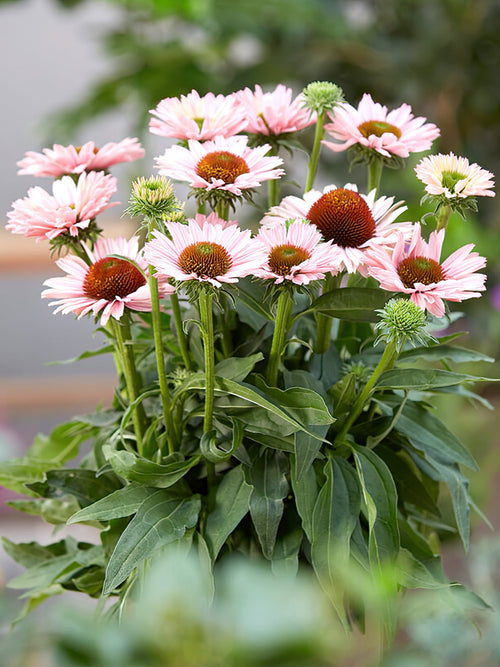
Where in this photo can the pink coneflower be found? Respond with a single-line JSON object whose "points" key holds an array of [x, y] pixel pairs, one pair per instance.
{"points": [[295, 252], [413, 267], [109, 284], [396, 132], [60, 160], [195, 117], [454, 177], [351, 221], [275, 112], [222, 164], [69, 209], [208, 253]]}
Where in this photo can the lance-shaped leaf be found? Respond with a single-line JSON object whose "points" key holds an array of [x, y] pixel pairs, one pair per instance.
{"points": [[305, 490], [356, 304], [121, 503], [421, 379], [442, 352], [135, 468], [83, 484], [237, 368], [307, 448], [231, 505], [305, 405], [159, 521], [267, 477]]}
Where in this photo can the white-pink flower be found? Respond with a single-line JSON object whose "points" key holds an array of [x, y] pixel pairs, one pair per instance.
{"points": [[295, 252], [108, 285], [69, 209], [206, 253], [195, 117], [353, 222], [212, 219], [414, 267], [275, 112], [454, 177], [222, 164], [60, 160], [397, 132]]}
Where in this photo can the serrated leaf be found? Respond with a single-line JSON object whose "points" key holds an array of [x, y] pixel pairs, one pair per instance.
{"points": [[158, 522], [121, 503], [231, 505]]}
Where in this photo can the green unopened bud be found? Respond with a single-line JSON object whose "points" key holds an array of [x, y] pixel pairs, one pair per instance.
{"points": [[402, 321], [152, 197], [322, 96]]}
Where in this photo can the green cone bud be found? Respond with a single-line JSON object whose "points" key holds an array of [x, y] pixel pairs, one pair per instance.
{"points": [[322, 96], [402, 321]]}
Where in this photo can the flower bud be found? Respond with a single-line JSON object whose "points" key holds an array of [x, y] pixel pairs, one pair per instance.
{"points": [[322, 96], [401, 320]]}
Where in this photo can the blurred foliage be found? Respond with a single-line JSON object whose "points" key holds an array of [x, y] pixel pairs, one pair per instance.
{"points": [[261, 619]]}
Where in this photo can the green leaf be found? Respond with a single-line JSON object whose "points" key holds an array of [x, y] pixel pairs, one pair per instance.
{"points": [[29, 554], [356, 304], [134, 468], [305, 405], [237, 368], [379, 492], [17, 473], [121, 503], [231, 505], [422, 379], [51, 510], [305, 490], [62, 444], [285, 559], [446, 352], [335, 516], [252, 299], [83, 484], [158, 522], [307, 448], [428, 434], [267, 475]]}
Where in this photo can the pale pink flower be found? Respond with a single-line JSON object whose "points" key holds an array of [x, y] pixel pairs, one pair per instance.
{"points": [[70, 208], [108, 285], [195, 117], [60, 160], [212, 219], [295, 252], [275, 112], [454, 177], [395, 132], [413, 267], [208, 253], [353, 222], [222, 164]]}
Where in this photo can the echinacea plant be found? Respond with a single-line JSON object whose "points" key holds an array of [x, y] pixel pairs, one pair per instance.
{"points": [[270, 400]]}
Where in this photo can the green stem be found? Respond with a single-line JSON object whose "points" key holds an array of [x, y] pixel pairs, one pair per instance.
{"points": [[272, 192], [313, 160], [386, 361], [179, 328], [443, 217], [121, 331], [323, 322], [284, 309], [207, 333], [222, 209], [375, 169], [160, 361]]}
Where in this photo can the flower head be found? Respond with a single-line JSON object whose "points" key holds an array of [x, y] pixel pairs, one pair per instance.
{"points": [[371, 125], [402, 321], [453, 177], [208, 253], [414, 267], [226, 165], [351, 221], [273, 113], [295, 252], [61, 160], [195, 117], [153, 197], [322, 96], [108, 285], [69, 209]]}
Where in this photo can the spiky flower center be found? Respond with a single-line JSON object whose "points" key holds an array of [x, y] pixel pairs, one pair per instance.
{"points": [[378, 128], [221, 165], [343, 216], [205, 259], [450, 178], [283, 257], [419, 270], [110, 278]]}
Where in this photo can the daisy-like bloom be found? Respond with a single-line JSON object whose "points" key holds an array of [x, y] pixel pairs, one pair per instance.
{"points": [[206, 253], [212, 219], [107, 286], [454, 177], [195, 117], [222, 164], [295, 252], [390, 133], [413, 267], [273, 113], [69, 209], [353, 222], [60, 160]]}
